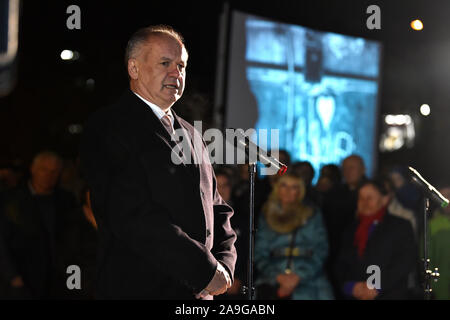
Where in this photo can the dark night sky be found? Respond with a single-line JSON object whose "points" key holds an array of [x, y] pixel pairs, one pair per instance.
{"points": [[50, 94]]}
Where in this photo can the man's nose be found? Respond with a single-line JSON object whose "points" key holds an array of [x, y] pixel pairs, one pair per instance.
{"points": [[176, 72]]}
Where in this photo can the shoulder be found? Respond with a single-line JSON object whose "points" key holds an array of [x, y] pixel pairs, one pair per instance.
{"points": [[122, 113], [396, 221], [397, 225]]}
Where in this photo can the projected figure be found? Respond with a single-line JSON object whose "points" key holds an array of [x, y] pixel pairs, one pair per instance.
{"points": [[319, 89]]}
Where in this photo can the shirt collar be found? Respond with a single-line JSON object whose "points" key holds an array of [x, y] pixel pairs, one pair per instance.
{"points": [[157, 110]]}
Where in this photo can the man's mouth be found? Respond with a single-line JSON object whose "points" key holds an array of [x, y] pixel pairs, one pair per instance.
{"points": [[171, 86]]}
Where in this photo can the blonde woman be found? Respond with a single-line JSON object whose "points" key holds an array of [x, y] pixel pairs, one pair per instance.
{"points": [[291, 246]]}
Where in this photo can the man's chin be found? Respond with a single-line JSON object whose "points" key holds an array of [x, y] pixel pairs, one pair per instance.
{"points": [[172, 99]]}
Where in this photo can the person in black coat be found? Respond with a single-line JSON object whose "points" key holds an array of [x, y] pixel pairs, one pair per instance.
{"points": [[339, 207], [375, 240], [34, 220], [163, 229]]}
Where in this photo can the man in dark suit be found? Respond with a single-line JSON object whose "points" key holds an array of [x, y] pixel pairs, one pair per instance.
{"points": [[164, 230]]}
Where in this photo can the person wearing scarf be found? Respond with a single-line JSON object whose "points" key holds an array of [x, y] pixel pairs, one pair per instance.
{"points": [[367, 224], [284, 216], [376, 239]]}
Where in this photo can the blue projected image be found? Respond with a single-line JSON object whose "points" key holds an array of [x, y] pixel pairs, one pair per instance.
{"points": [[319, 89]]}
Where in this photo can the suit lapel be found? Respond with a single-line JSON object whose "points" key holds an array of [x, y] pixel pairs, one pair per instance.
{"points": [[188, 134], [157, 128]]}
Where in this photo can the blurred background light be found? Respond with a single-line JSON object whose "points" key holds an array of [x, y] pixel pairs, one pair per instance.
{"points": [[66, 54], [75, 128], [398, 132], [417, 25], [397, 119], [393, 140], [69, 55], [90, 83], [425, 110]]}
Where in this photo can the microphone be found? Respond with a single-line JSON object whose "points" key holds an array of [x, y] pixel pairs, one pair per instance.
{"points": [[436, 195], [255, 153]]}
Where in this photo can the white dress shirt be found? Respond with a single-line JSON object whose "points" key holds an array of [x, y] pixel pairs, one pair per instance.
{"points": [[157, 110]]}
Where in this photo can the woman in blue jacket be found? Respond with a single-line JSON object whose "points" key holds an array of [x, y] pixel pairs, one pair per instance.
{"points": [[291, 245]]}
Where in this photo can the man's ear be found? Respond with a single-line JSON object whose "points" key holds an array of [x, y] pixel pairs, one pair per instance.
{"points": [[133, 70]]}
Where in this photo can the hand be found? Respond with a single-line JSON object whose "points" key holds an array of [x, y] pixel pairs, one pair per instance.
{"points": [[288, 282], [17, 282], [219, 283], [283, 292], [362, 292], [370, 294], [358, 290]]}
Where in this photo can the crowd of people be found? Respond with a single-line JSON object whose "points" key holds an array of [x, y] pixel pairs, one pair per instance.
{"points": [[323, 240], [313, 241]]}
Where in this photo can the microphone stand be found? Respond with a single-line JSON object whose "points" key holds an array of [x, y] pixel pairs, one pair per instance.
{"points": [[249, 290], [251, 249], [429, 192], [429, 275], [253, 153]]}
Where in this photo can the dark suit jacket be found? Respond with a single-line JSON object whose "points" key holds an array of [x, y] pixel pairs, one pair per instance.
{"points": [[162, 227], [391, 246]]}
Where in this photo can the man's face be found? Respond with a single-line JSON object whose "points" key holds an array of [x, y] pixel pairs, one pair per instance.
{"points": [[352, 170], [158, 71], [45, 173]]}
